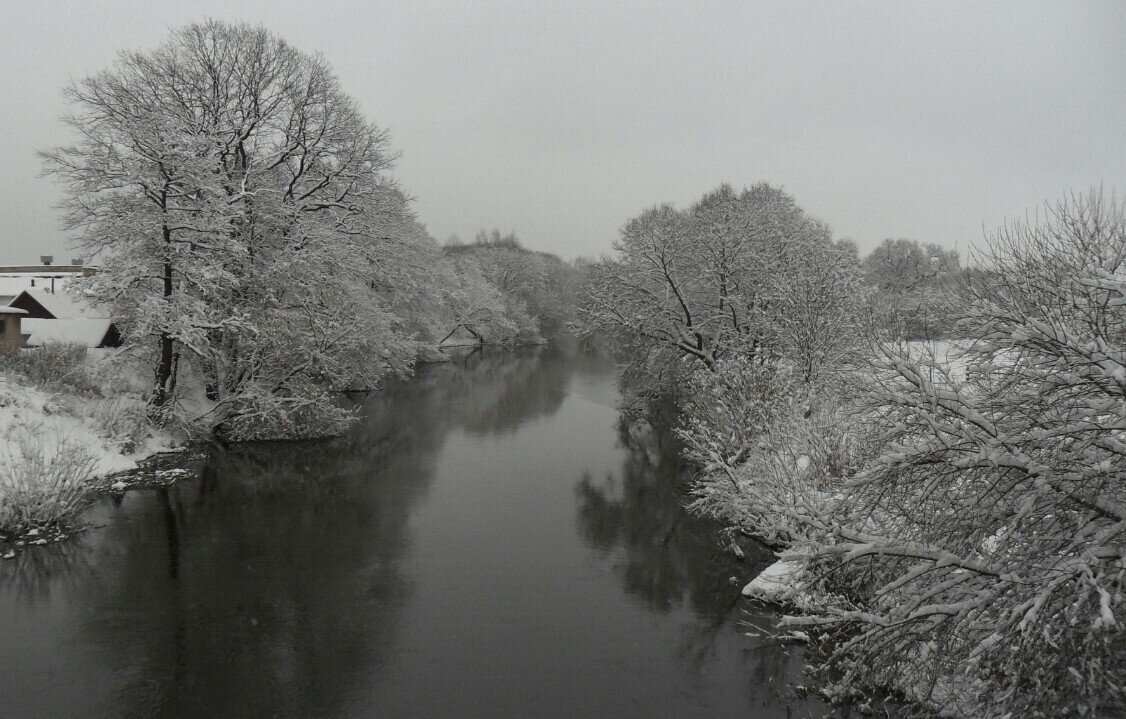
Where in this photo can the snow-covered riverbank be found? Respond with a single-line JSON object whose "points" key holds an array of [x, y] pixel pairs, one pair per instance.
{"points": [[55, 418], [61, 442]]}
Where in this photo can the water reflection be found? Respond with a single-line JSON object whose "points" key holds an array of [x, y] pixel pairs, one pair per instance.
{"points": [[283, 560], [279, 589], [489, 391], [670, 559], [31, 575], [663, 555], [426, 564]]}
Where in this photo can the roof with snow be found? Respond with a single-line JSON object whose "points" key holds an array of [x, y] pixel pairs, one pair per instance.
{"points": [[12, 311], [89, 332], [45, 270], [61, 305]]}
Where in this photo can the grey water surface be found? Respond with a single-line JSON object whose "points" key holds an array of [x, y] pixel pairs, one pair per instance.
{"points": [[490, 540]]}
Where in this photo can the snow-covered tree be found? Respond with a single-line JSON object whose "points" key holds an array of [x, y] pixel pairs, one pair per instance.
{"points": [[536, 284], [979, 564], [909, 278], [239, 208], [904, 265], [476, 305], [819, 314], [721, 279]]}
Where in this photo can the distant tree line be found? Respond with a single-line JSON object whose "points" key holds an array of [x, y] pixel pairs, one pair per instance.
{"points": [[911, 279], [538, 288]]}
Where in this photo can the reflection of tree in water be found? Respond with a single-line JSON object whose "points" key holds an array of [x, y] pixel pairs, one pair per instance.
{"points": [[666, 557], [280, 580], [670, 558], [273, 581], [493, 391], [31, 575]]}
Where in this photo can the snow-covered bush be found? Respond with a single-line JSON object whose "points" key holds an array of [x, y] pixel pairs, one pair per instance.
{"points": [[771, 448], [59, 366], [44, 480], [979, 564], [261, 415], [124, 419]]}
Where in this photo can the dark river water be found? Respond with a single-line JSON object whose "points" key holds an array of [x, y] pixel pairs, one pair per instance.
{"points": [[489, 541]]}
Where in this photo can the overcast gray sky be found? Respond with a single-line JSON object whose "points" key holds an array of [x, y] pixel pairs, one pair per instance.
{"points": [[562, 120]]}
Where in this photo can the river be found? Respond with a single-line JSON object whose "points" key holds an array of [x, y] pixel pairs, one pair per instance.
{"points": [[489, 541]]}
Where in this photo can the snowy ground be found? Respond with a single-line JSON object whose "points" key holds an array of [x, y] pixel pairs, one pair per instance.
{"points": [[949, 353], [58, 449], [53, 418]]}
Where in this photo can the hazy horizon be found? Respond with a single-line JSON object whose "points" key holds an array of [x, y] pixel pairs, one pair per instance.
{"points": [[918, 120]]}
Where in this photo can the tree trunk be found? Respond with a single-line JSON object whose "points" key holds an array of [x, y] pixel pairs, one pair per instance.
{"points": [[166, 368], [165, 371], [470, 330]]}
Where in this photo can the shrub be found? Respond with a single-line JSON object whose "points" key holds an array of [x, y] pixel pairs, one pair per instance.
{"points": [[43, 481], [771, 447], [56, 366], [122, 419]]}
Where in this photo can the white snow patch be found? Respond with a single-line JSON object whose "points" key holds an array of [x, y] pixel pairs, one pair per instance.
{"points": [[951, 354], [990, 544], [54, 418], [84, 331], [775, 582]]}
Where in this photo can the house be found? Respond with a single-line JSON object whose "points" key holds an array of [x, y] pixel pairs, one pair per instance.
{"points": [[58, 317]]}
